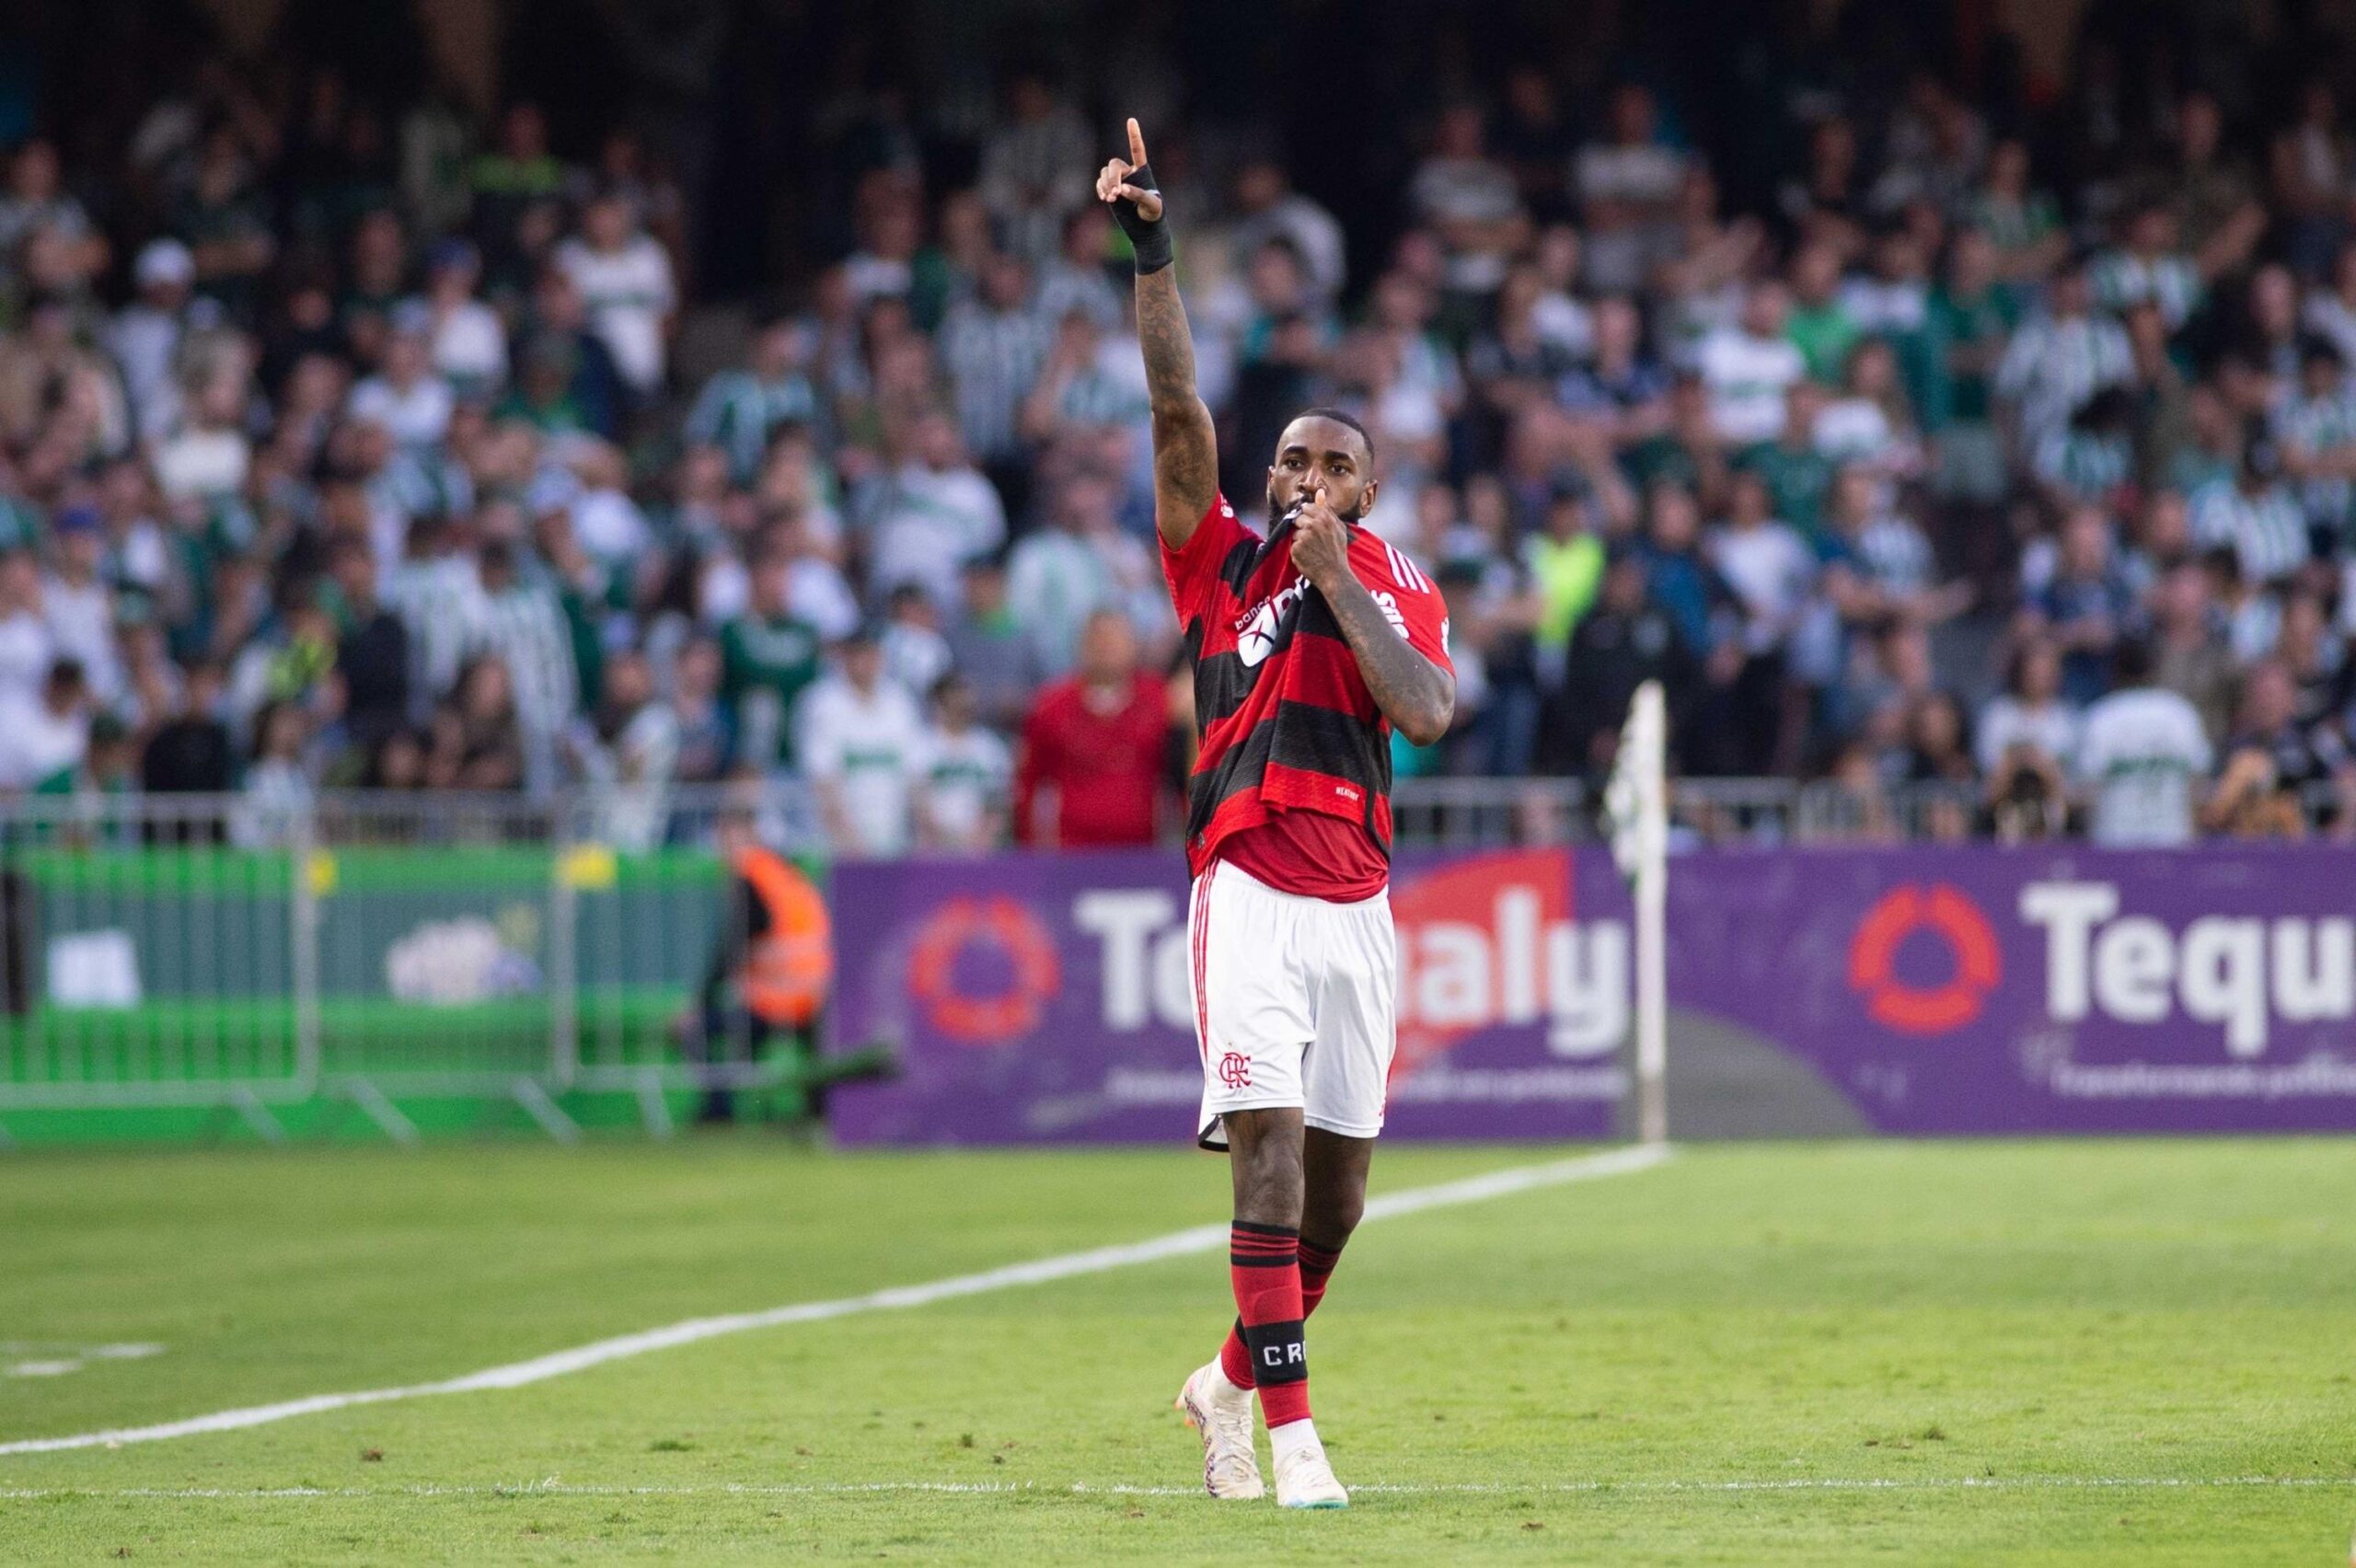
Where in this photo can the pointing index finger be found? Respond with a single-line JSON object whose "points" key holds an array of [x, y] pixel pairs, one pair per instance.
{"points": [[1136, 142]]}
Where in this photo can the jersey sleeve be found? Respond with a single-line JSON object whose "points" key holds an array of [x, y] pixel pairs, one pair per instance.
{"points": [[1192, 570], [1412, 603]]}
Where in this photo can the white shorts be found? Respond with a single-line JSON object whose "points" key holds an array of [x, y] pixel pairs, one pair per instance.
{"points": [[1296, 1003]]}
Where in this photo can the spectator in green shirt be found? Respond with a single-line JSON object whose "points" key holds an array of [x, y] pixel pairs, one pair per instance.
{"points": [[1819, 325], [766, 656], [1795, 473], [1970, 318]]}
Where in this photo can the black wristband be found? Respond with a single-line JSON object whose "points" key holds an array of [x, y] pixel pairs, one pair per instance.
{"points": [[1148, 237]]}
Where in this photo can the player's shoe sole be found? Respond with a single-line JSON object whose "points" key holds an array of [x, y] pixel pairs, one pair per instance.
{"points": [[1194, 1402]]}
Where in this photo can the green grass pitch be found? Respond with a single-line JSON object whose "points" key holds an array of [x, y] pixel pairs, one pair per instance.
{"points": [[2122, 1351]]}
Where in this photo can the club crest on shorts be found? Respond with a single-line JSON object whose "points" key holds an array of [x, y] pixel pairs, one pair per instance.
{"points": [[1235, 1071]]}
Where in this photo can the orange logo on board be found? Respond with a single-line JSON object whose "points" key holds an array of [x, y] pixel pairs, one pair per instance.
{"points": [[1947, 915]]}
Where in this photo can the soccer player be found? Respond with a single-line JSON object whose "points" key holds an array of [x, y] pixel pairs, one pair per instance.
{"points": [[1310, 644]]}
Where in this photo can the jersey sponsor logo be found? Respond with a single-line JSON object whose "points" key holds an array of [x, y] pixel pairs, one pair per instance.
{"points": [[1388, 604], [1260, 630], [1235, 1071]]}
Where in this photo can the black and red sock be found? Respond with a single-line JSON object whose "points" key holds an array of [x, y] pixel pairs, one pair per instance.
{"points": [[1263, 1265], [1314, 1265]]}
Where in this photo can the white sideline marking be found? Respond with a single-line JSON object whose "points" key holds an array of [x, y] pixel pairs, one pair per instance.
{"points": [[72, 1357], [558, 1363], [1085, 1489]]}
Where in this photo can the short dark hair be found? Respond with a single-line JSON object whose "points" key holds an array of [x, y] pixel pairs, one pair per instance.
{"points": [[1339, 416]]}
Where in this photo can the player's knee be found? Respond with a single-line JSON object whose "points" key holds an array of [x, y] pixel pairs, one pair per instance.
{"points": [[1330, 1216]]}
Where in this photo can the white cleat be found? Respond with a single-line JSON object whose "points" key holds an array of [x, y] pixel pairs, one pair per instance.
{"points": [[1305, 1481], [1223, 1413]]}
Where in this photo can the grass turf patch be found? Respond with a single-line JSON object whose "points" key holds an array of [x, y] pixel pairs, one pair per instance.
{"points": [[2122, 1351]]}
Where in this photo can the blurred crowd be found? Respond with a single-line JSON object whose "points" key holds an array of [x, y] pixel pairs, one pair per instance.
{"points": [[355, 445]]}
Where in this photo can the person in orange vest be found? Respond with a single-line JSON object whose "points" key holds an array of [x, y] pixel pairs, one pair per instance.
{"points": [[775, 949]]}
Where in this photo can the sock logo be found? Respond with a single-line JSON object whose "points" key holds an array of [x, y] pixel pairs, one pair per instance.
{"points": [[1279, 1353], [1235, 1071]]}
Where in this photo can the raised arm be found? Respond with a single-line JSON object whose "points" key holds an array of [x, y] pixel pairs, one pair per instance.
{"points": [[1186, 449]]}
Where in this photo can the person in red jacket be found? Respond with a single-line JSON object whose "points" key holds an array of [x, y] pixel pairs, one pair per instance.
{"points": [[1094, 748]]}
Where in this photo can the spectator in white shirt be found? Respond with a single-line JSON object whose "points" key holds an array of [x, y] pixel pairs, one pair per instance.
{"points": [[630, 748], [891, 223], [964, 776], [1627, 190], [146, 336], [2029, 714], [210, 454], [79, 603], [992, 346], [407, 396], [1471, 199], [27, 646], [861, 741], [1076, 279], [606, 521], [1749, 366], [933, 514], [276, 791], [2054, 362], [469, 344], [1055, 579], [2142, 755], [914, 653], [624, 278], [44, 734]]}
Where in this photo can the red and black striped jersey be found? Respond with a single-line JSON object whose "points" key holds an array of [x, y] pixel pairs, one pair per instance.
{"points": [[1285, 718]]}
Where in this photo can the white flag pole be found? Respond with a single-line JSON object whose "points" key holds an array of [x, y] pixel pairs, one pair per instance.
{"points": [[1637, 804]]}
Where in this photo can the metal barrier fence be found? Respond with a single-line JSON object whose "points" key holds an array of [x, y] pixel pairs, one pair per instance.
{"points": [[214, 951]]}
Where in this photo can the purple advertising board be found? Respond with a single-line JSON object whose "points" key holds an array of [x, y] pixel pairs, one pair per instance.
{"points": [[1963, 990], [1973, 989], [1042, 998]]}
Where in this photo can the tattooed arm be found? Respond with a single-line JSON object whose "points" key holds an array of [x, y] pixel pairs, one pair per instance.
{"points": [[1415, 695], [1186, 449]]}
